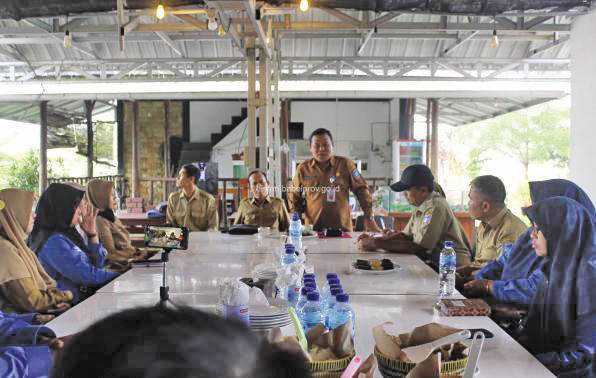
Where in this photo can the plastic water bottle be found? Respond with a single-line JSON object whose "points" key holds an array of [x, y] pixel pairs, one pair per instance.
{"points": [[308, 276], [293, 294], [326, 290], [289, 257], [296, 231], [302, 299], [310, 282], [342, 312], [296, 226], [331, 302], [312, 314], [447, 264]]}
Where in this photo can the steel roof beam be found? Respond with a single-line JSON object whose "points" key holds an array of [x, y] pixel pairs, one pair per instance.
{"points": [[48, 30], [171, 44]]}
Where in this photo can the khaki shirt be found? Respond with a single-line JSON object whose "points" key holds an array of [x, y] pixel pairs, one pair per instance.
{"points": [[327, 192], [271, 212], [490, 236], [432, 223], [197, 213], [115, 238]]}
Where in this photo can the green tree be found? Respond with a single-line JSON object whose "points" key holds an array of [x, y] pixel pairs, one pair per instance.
{"points": [[525, 136], [24, 172]]}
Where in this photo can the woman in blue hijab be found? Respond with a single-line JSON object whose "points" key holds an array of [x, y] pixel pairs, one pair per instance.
{"points": [[561, 323], [515, 275]]}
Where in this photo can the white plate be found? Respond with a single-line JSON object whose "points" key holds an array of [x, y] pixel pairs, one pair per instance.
{"points": [[376, 272], [277, 307]]}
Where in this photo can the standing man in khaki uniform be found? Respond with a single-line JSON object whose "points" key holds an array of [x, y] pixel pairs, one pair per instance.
{"points": [[498, 226], [325, 182], [431, 223], [191, 207], [261, 209]]}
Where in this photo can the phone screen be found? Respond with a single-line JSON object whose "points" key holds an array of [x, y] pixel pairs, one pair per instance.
{"points": [[166, 237]]}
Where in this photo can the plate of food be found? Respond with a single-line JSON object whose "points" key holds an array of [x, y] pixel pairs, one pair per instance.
{"points": [[375, 266]]}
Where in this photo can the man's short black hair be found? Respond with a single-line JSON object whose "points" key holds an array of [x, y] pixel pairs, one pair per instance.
{"points": [[320, 131], [257, 171], [191, 171], [492, 188], [182, 342]]}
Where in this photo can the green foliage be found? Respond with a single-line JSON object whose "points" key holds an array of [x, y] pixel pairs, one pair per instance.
{"points": [[24, 172], [528, 137]]}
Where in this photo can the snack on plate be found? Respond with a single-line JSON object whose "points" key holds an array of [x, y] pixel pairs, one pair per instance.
{"points": [[374, 264]]}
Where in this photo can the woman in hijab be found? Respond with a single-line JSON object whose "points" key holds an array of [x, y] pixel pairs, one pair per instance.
{"points": [[25, 286], [76, 266], [516, 274], [562, 318], [112, 233]]}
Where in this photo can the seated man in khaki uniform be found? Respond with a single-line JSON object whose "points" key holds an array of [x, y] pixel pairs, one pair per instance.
{"points": [[321, 188], [261, 209], [498, 226], [431, 223], [191, 207]]}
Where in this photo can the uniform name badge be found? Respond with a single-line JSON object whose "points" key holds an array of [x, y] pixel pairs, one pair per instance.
{"points": [[331, 194]]}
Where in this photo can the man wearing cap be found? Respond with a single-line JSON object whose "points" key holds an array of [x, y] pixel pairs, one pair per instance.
{"points": [[431, 223], [262, 209], [321, 187]]}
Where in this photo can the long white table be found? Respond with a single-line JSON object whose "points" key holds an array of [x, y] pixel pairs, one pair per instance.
{"points": [[405, 297]]}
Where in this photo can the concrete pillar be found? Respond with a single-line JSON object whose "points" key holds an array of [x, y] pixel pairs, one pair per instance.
{"points": [[251, 160], [264, 111], [43, 146], [90, 150], [434, 142], [583, 95]]}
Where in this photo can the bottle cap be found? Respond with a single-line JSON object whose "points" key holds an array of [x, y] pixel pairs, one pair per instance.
{"points": [[331, 275], [296, 217], [313, 296], [336, 290], [333, 281], [309, 275], [305, 290], [290, 251], [343, 298], [311, 284], [448, 244], [338, 286]]}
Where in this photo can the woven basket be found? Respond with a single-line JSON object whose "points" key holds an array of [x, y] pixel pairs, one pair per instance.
{"points": [[329, 367], [392, 368]]}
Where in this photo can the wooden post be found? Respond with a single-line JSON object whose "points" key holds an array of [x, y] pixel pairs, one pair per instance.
{"points": [[166, 149], [434, 144], [135, 150], [252, 109], [90, 153], [43, 146]]}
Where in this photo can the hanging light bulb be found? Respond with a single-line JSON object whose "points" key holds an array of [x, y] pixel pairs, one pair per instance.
{"points": [[160, 12], [212, 24], [67, 39], [304, 5], [494, 40], [221, 31]]}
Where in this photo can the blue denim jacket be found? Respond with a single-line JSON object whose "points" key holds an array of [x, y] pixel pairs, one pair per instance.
{"points": [[19, 354], [70, 266]]}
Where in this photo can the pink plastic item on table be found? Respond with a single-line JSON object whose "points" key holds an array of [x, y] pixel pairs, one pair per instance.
{"points": [[352, 367]]}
